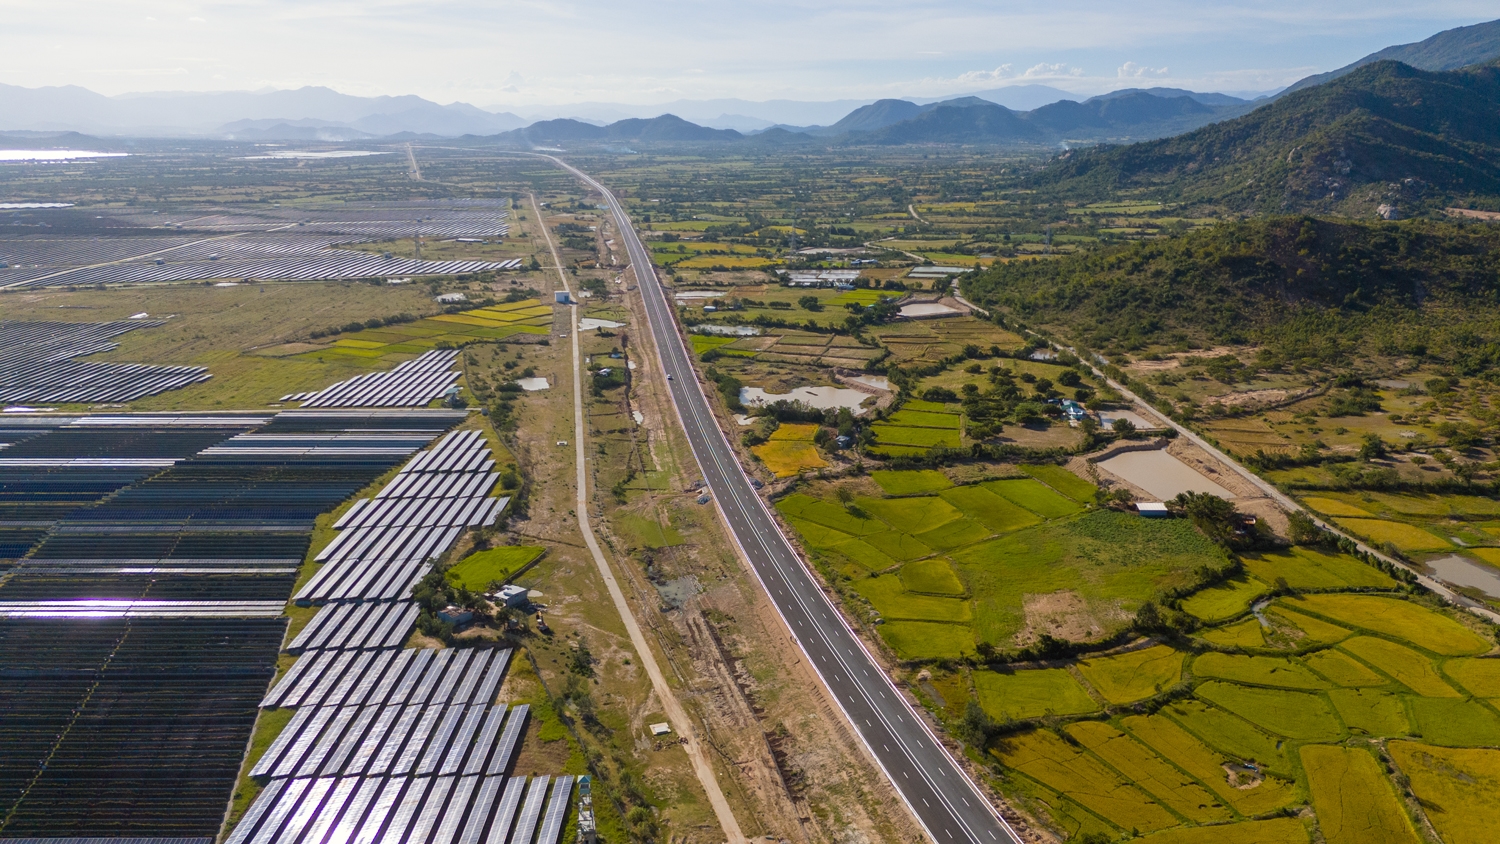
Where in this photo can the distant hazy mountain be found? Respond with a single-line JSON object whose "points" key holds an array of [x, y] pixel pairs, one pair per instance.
{"points": [[1450, 49], [876, 115], [666, 128], [1168, 93], [1132, 114], [968, 120], [1136, 114], [188, 113], [1013, 97], [1385, 133], [727, 113]]}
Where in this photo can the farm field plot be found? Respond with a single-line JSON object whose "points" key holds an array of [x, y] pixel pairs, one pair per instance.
{"points": [[1153, 774], [1394, 617], [1174, 743], [1457, 788], [1353, 799], [1044, 543], [915, 482], [478, 570], [1042, 756], [402, 341], [1274, 831], [1225, 600], [1306, 568], [1029, 694], [1104, 560], [1295, 715], [1406, 538], [1134, 675], [790, 450]]}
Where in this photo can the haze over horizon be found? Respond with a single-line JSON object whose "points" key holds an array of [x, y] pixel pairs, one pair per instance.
{"points": [[517, 56]]}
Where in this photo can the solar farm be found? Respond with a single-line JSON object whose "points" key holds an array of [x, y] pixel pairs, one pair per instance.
{"points": [[261, 244], [146, 563]]}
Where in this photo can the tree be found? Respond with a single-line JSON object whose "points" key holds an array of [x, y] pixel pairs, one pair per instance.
{"points": [[1302, 530], [810, 303], [1373, 447], [977, 725], [1122, 426], [1217, 518]]}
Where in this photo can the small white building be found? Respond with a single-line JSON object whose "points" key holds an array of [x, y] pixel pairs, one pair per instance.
{"points": [[1152, 509], [511, 595]]}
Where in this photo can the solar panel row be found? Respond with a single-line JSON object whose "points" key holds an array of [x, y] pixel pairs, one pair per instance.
{"points": [[411, 384], [441, 809], [393, 741], [36, 364], [357, 626], [354, 678]]}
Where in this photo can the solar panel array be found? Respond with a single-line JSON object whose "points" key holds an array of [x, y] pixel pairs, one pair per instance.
{"points": [[413, 383], [37, 364], [386, 542], [115, 727], [140, 624], [332, 264], [402, 746], [289, 244]]}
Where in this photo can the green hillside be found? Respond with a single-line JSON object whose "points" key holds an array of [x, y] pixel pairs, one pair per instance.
{"points": [[1310, 290], [1385, 133]]}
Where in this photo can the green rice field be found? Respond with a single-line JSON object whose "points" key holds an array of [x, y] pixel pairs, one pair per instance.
{"points": [[1272, 698]]}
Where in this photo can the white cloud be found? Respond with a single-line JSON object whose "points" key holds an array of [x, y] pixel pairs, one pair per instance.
{"points": [[1051, 71], [1131, 70], [999, 74]]}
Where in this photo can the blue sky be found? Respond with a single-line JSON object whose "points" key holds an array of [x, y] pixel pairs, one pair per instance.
{"points": [[505, 52]]}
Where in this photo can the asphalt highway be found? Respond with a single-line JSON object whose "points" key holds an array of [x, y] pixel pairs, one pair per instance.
{"points": [[930, 781]]}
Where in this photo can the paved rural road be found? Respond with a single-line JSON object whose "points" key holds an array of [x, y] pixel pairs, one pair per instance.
{"points": [[936, 789]]}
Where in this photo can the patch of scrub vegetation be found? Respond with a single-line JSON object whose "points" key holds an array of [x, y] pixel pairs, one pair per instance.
{"points": [[645, 532]]}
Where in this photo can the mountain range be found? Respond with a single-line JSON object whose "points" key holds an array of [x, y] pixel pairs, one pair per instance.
{"points": [[1026, 115], [1385, 133], [342, 116], [1450, 49]]}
